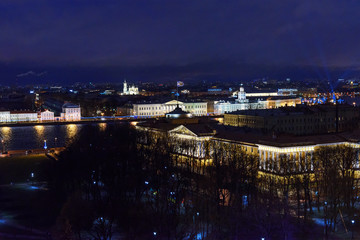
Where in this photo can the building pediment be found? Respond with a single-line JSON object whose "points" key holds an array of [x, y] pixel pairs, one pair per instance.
{"points": [[173, 102], [182, 130]]}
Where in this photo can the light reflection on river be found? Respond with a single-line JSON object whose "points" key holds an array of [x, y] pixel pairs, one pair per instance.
{"points": [[32, 137]]}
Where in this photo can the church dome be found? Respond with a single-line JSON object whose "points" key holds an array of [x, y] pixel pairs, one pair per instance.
{"points": [[178, 113]]}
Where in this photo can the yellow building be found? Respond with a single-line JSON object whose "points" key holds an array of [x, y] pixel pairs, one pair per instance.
{"points": [[269, 150]]}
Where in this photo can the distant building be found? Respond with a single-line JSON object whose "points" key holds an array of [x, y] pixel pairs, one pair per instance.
{"points": [[303, 120], [46, 116], [160, 109], [147, 110], [242, 103], [71, 112], [23, 116], [63, 111], [132, 90], [281, 101], [280, 92], [5, 116]]}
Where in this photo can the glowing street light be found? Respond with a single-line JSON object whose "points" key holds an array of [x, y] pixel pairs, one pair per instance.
{"points": [[3, 145], [45, 146]]}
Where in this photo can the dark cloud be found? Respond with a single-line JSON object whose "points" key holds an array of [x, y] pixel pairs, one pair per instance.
{"points": [[31, 73], [145, 33]]}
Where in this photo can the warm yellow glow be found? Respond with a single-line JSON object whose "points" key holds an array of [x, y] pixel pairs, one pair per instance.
{"points": [[39, 127], [220, 120], [71, 130], [134, 123], [102, 126], [5, 133], [39, 130], [286, 149]]}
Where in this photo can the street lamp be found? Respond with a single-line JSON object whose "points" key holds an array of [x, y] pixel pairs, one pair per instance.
{"points": [[3, 145], [45, 147], [352, 228], [32, 178]]}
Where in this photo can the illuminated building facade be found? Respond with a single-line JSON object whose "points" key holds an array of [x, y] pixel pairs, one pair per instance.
{"points": [[129, 90], [46, 116], [23, 116], [270, 151], [148, 110], [71, 112], [5, 116], [268, 100]]}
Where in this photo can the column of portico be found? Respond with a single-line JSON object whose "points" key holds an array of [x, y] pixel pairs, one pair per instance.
{"points": [[266, 165], [264, 160]]}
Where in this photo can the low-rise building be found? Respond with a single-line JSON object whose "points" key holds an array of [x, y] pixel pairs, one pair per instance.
{"points": [[46, 116], [301, 120], [23, 116], [201, 139], [5, 116], [150, 109], [260, 102], [71, 112]]}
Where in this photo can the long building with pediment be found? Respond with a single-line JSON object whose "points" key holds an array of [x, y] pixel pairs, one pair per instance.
{"points": [[269, 149], [156, 109]]}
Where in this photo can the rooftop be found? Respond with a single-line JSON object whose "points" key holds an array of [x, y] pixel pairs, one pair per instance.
{"points": [[70, 105]]}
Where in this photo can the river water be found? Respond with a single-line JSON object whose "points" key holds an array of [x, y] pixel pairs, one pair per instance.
{"points": [[33, 137]]}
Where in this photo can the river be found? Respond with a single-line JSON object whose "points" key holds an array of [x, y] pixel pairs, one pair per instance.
{"points": [[33, 137]]}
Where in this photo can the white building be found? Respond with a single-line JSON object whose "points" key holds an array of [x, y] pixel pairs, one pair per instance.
{"points": [[132, 90], [46, 116], [284, 97], [160, 109], [241, 103], [23, 116], [5, 116], [70, 112]]}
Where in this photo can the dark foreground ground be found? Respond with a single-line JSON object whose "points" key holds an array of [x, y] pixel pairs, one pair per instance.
{"points": [[27, 208]]}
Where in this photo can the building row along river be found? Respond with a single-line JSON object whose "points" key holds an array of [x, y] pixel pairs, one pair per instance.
{"points": [[284, 97], [70, 112]]}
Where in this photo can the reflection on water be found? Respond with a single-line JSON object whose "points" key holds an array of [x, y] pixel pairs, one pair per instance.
{"points": [[71, 130], [32, 137], [5, 133], [39, 130], [102, 126]]}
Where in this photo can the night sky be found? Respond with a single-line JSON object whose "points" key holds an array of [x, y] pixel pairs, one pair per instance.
{"points": [[108, 40]]}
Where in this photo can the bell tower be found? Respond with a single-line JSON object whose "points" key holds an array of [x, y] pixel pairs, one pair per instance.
{"points": [[125, 89]]}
